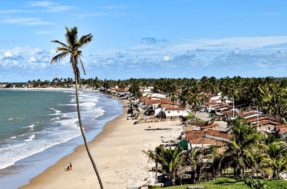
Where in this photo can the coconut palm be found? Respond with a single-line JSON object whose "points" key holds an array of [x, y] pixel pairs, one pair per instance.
{"points": [[72, 49], [238, 153], [201, 158], [277, 158], [169, 160]]}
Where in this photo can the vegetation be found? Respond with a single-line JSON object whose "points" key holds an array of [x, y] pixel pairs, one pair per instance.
{"points": [[72, 48], [249, 154], [227, 183], [268, 94]]}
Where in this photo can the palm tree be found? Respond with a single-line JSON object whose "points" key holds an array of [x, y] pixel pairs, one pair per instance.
{"points": [[169, 160], [201, 158], [72, 48], [238, 153], [277, 158]]}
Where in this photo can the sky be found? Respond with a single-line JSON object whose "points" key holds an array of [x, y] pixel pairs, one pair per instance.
{"points": [[146, 38]]}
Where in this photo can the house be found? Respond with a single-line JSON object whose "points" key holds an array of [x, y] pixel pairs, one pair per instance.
{"points": [[205, 138], [175, 112], [282, 130], [215, 98], [264, 123], [249, 114], [155, 95], [147, 91], [3, 85]]}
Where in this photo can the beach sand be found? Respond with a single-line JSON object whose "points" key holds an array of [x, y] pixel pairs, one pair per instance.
{"points": [[118, 152]]}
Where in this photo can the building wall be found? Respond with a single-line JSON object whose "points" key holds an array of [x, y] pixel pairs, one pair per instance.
{"points": [[176, 113]]}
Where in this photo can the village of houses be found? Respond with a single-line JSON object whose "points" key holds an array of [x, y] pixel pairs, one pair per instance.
{"points": [[206, 127]]}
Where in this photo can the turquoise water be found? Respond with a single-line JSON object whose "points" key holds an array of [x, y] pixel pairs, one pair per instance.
{"points": [[37, 128]]}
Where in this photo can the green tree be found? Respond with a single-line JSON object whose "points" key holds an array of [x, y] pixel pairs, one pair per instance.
{"points": [[169, 160], [238, 153], [276, 159]]}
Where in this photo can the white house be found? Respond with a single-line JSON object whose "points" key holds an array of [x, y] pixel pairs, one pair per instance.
{"points": [[175, 112]]}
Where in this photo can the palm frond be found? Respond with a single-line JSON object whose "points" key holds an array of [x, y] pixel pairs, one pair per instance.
{"points": [[62, 49], [60, 43], [83, 68], [71, 36], [59, 57], [85, 39]]}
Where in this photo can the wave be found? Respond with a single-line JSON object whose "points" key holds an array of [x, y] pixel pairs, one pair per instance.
{"points": [[30, 126], [60, 128], [31, 138], [56, 112]]}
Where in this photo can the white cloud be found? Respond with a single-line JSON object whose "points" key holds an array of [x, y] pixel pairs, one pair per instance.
{"points": [[230, 43], [50, 6], [27, 21], [8, 54], [94, 14], [43, 32], [167, 58], [14, 11], [24, 57]]}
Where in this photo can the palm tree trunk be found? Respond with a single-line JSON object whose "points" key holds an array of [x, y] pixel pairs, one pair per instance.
{"points": [[84, 136], [242, 173], [156, 169]]}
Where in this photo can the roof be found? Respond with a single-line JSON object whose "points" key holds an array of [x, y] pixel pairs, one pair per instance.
{"points": [[211, 136], [248, 113], [263, 120], [211, 125], [174, 109], [120, 89], [169, 106], [150, 101], [209, 141], [281, 128], [164, 101]]}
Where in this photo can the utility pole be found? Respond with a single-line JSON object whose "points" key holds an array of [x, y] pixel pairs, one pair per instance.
{"points": [[233, 108], [257, 118]]}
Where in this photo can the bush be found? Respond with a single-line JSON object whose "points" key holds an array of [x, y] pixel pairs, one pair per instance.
{"points": [[276, 184], [255, 184]]}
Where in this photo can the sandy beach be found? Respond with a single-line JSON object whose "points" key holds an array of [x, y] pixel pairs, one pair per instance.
{"points": [[118, 152]]}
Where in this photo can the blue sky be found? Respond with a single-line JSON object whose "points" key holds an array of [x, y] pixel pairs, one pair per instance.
{"points": [[146, 38]]}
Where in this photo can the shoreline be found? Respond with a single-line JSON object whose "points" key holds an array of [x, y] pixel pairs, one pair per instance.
{"points": [[27, 168], [34, 182], [118, 153]]}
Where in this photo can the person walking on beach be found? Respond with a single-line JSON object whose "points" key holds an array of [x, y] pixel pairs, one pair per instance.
{"points": [[69, 168]]}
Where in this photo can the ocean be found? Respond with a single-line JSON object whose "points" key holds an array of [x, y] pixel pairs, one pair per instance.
{"points": [[38, 127]]}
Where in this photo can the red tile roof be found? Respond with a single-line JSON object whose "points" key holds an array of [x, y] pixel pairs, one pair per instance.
{"points": [[174, 108], [169, 106], [282, 129], [211, 125], [247, 113], [196, 136]]}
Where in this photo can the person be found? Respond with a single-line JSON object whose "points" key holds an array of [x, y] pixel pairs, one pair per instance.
{"points": [[70, 166]]}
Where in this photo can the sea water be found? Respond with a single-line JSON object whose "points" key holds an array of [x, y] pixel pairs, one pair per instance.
{"points": [[42, 126]]}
